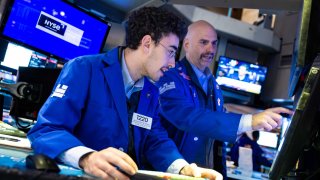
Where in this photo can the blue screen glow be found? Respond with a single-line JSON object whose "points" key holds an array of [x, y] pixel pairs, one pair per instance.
{"points": [[240, 75], [54, 27]]}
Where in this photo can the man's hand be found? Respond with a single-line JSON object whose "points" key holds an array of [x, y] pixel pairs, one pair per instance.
{"points": [[195, 171], [106, 164], [269, 119]]}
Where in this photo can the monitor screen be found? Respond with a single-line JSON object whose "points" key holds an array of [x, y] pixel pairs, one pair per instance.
{"points": [[55, 28], [40, 84], [8, 75], [240, 75], [285, 124], [16, 56], [268, 139], [301, 132]]}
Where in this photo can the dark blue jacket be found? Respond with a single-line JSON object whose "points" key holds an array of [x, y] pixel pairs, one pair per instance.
{"points": [[92, 112], [193, 119]]}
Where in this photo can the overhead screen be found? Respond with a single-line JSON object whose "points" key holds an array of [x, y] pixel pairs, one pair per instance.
{"points": [[240, 75], [56, 28]]}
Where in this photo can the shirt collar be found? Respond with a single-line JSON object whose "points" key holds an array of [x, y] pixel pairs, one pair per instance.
{"points": [[129, 84], [201, 75]]}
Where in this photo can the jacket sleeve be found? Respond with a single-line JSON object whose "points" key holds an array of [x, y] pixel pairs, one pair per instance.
{"points": [[179, 108], [261, 159], [58, 117]]}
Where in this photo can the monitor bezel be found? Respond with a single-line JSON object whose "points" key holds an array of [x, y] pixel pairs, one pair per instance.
{"points": [[302, 130]]}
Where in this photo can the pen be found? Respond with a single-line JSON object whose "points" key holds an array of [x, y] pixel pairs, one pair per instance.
{"points": [[9, 139]]}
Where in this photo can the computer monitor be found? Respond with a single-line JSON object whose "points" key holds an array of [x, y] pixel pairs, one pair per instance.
{"points": [[301, 134], [16, 55], [40, 84], [8, 76], [54, 28], [240, 75]]}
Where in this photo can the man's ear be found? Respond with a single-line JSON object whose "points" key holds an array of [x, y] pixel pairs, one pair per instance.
{"points": [[186, 44], [146, 43]]}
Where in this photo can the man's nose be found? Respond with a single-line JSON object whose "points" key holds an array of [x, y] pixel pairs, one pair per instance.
{"points": [[212, 48], [171, 65], [172, 62]]}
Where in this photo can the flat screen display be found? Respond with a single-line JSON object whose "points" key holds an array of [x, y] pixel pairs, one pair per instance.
{"points": [[54, 27], [300, 139], [16, 56], [240, 75], [40, 84]]}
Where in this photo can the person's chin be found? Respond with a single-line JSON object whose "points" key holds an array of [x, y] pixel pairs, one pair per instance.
{"points": [[155, 78]]}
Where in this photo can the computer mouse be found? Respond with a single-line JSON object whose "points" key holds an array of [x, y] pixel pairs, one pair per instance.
{"points": [[41, 162]]}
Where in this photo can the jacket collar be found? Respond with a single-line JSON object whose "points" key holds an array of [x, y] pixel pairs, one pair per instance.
{"points": [[115, 80], [190, 72]]}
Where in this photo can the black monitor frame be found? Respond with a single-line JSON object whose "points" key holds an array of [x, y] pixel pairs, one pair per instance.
{"points": [[40, 84], [301, 133], [306, 45]]}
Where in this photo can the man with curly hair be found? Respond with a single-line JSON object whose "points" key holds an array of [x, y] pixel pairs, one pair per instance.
{"points": [[103, 114]]}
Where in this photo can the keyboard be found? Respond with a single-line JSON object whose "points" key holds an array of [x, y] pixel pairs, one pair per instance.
{"points": [[8, 173]]}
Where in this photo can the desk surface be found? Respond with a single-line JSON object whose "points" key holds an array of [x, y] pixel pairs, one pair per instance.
{"points": [[15, 158], [234, 173]]}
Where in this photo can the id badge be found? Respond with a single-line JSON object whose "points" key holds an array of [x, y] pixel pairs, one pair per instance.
{"points": [[141, 121]]}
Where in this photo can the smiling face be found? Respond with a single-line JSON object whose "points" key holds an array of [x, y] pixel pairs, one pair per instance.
{"points": [[200, 44], [161, 57]]}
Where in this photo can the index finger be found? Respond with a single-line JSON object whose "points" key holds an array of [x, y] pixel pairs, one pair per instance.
{"points": [[281, 110]]}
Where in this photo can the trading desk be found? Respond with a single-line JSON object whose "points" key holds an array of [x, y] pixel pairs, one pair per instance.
{"points": [[235, 173], [12, 166]]}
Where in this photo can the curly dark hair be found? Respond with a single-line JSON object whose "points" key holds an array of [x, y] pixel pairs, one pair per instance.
{"points": [[155, 22]]}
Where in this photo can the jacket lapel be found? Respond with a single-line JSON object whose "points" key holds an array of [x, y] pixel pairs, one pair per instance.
{"points": [[191, 73], [113, 75], [145, 98]]}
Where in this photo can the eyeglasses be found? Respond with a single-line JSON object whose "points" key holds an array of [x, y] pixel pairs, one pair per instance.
{"points": [[172, 53]]}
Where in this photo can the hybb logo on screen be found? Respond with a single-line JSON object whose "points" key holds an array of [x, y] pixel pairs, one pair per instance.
{"points": [[58, 28], [52, 24]]}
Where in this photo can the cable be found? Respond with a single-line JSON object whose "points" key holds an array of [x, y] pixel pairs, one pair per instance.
{"points": [[23, 126]]}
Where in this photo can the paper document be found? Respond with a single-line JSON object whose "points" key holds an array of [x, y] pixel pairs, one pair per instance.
{"points": [[170, 176], [14, 141], [245, 161]]}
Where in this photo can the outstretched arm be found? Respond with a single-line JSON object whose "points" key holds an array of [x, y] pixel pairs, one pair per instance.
{"points": [[269, 119]]}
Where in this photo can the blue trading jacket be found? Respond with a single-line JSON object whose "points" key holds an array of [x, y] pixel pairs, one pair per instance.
{"points": [[189, 117], [88, 108]]}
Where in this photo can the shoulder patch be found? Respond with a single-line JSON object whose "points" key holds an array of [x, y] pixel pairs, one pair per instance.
{"points": [[59, 91], [185, 76], [167, 86]]}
